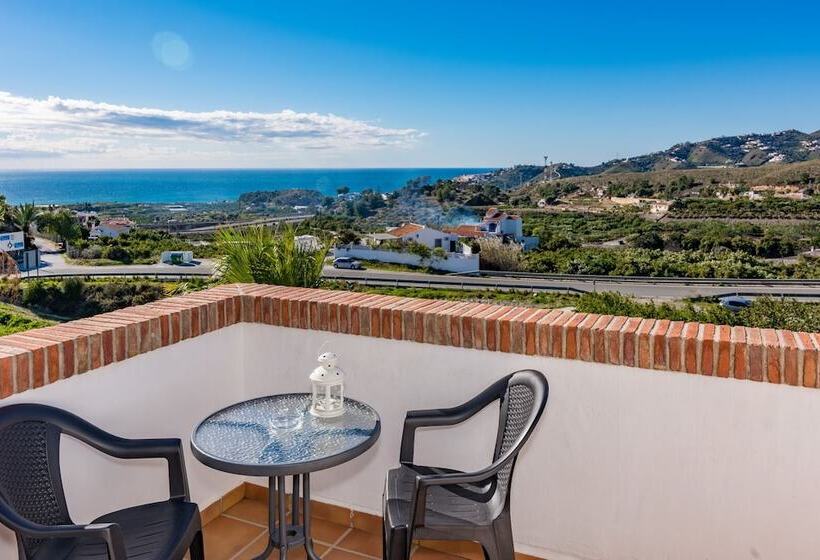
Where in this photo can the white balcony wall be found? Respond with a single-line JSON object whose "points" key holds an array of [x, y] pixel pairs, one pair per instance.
{"points": [[158, 394], [625, 464]]}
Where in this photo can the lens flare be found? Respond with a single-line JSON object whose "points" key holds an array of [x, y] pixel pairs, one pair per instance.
{"points": [[171, 50]]}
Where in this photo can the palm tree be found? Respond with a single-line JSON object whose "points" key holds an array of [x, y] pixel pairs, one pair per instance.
{"points": [[257, 255], [24, 216], [62, 224]]}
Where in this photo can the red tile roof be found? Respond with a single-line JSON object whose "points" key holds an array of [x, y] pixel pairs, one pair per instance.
{"points": [[405, 229], [465, 230]]}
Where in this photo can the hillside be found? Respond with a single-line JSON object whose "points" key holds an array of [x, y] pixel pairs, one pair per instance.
{"points": [[727, 152], [659, 182]]}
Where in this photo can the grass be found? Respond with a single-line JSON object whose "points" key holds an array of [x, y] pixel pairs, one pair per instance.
{"points": [[14, 319], [92, 262]]}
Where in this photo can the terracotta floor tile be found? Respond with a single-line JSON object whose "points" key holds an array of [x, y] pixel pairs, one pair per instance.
{"points": [[225, 537], [293, 554], [362, 542], [368, 523], [250, 510], [325, 531], [337, 554], [464, 549], [422, 553]]}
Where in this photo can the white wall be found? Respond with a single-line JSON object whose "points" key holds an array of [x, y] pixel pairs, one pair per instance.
{"points": [[428, 236], [160, 394], [455, 262], [626, 464]]}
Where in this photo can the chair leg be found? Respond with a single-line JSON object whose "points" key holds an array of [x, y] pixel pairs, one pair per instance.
{"points": [[489, 547], [197, 549], [503, 537], [394, 545]]}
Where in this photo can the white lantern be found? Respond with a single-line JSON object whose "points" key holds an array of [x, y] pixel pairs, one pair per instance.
{"points": [[327, 380]]}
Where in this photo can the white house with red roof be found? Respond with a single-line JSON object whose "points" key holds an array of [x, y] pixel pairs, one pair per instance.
{"points": [[428, 236], [111, 228], [499, 224], [457, 256]]}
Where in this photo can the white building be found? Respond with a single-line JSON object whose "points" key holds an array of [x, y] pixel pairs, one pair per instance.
{"points": [[177, 257], [428, 236], [111, 228], [458, 257], [497, 223]]}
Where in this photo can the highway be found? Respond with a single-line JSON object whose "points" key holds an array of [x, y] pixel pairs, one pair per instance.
{"points": [[647, 288]]}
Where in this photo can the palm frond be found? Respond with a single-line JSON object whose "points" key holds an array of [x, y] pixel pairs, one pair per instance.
{"points": [[258, 255]]}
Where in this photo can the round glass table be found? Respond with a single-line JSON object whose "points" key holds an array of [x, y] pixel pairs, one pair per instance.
{"points": [[277, 437]]}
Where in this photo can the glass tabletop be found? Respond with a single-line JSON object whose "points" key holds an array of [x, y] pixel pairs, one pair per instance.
{"points": [[277, 435]]}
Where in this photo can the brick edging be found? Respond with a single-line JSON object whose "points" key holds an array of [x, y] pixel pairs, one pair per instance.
{"points": [[31, 359]]}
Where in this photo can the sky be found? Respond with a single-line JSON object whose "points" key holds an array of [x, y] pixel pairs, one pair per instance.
{"points": [[235, 84]]}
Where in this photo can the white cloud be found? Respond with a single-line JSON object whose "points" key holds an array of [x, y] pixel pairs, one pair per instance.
{"points": [[66, 128]]}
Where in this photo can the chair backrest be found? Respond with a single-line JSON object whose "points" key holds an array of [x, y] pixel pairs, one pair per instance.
{"points": [[522, 401], [30, 481]]}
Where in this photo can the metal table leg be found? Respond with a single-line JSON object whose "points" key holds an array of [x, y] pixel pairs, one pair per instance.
{"points": [[272, 494], [311, 554], [281, 534]]}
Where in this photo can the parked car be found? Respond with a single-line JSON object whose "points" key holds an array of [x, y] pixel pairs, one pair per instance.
{"points": [[347, 262], [735, 303]]}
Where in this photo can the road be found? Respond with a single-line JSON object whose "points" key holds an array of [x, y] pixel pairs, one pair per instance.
{"points": [[54, 264], [660, 289]]}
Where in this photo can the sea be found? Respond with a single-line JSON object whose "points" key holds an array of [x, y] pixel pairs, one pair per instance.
{"points": [[199, 185]]}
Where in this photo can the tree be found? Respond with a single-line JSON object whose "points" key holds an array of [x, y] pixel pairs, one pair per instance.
{"points": [[344, 189], [439, 254], [62, 224], [420, 250], [258, 255], [24, 216], [348, 236], [648, 240], [5, 211]]}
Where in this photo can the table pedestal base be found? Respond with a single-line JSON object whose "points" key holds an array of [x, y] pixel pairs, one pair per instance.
{"points": [[281, 534]]}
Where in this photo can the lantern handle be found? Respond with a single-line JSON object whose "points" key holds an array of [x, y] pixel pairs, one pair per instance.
{"points": [[322, 347]]}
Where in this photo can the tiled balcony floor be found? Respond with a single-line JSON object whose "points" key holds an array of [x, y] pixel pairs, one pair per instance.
{"points": [[240, 533]]}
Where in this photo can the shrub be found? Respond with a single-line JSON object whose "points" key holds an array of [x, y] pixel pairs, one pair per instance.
{"points": [[422, 251], [92, 252], [117, 253], [497, 255], [35, 292], [72, 289]]}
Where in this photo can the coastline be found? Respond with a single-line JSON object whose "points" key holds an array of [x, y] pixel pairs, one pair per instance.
{"points": [[188, 186]]}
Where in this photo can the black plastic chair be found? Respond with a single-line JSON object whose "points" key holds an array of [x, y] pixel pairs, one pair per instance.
{"points": [[432, 503], [33, 505]]}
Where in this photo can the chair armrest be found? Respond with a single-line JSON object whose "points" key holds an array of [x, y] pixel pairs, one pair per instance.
{"points": [[425, 481], [169, 449], [444, 417], [109, 533]]}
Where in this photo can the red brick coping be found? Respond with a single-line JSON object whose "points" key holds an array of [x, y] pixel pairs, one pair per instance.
{"points": [[34, 358]]}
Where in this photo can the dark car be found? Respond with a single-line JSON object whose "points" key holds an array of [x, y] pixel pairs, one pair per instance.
{"points": [[735, 303]]}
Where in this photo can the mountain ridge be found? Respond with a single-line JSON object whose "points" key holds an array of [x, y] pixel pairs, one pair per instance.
{"points": [[738, 151]]}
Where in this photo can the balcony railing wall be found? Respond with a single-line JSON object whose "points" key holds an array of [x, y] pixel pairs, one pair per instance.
{"points": [[628, 462]]}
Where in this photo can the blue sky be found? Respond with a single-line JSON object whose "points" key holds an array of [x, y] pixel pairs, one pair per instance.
{"points": [[393, 84]]}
